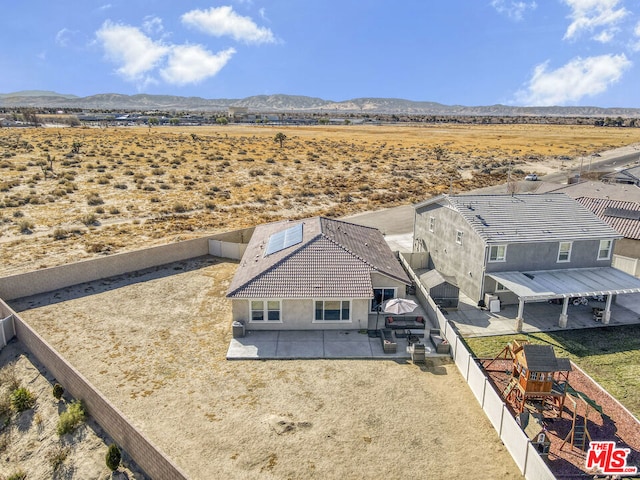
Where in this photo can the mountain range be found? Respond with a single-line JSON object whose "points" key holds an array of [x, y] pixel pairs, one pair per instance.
{"points": [[292, 104]]}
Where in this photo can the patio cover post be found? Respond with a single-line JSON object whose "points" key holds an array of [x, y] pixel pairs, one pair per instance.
{"points": [[607, 310], [562, 323], [519, 319]]}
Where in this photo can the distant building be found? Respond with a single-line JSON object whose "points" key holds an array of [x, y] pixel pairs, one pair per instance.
{"points": [[237, 112]]}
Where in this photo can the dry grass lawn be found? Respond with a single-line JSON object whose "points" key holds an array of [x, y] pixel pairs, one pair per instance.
{"points": [[71, 193], [155, 344]]}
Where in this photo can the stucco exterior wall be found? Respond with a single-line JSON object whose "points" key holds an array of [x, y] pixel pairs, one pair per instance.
{"points": [[544, 256], [299, 314], [463, 262]]}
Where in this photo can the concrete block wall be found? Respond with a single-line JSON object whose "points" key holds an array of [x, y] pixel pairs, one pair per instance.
{"points": [[48, 279]]}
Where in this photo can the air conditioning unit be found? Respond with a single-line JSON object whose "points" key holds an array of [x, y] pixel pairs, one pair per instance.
{"points": [[489, 297]]}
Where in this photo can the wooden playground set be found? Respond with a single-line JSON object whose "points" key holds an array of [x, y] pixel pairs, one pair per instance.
{"points": [[534, 384]]}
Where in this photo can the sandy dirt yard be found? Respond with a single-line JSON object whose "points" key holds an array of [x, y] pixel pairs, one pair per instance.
{"points": [[29, 443], [155, 343]]}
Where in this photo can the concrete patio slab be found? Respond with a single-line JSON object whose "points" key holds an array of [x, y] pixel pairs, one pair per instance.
{"points": [[347, 349], [471, 321], [312, 344], [293, 349]]}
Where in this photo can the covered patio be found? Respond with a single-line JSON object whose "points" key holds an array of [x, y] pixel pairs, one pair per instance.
{"points": [[568, 285], [472, 321]]}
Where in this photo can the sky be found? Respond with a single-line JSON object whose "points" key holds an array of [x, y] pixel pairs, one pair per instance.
{"points": [[455, 52]]}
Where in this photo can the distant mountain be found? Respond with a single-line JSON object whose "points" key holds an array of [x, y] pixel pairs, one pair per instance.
{"points": [[36, 93], [292, 103]]}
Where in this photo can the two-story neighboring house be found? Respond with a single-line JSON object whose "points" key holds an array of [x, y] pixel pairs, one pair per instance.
{"points": [[522, 248]]}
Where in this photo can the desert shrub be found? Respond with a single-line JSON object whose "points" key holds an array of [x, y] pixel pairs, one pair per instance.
{"points": [[26, 226], [58, 391], [120, 186], [9, 377], [94, 199], [114, 210], [96, 247], [18, 475], [22, 399], [209, 205], [113, 457], [71, 419], [57, 455], [89, 219], [60, 234], [18, 214], [179, 208]]}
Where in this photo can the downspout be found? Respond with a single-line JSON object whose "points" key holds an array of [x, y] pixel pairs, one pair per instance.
{"points": [[484, 269]]}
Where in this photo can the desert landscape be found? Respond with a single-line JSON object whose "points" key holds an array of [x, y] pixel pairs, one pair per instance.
{"points": [[73, 193]]}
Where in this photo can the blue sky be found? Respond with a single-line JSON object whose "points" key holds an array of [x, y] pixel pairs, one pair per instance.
{"points": [[475, 52]]}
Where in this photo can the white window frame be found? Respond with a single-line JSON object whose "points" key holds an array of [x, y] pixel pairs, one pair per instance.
{"points": [[608, 249], [568, 259], [394, 295], [500, 287], [324, 301], [498, 258], [432, 224], [459, 235], [265, 310]]}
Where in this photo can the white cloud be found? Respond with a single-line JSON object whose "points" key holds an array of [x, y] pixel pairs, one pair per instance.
{"points": [[636, 42], [63, 37], [127, 46], [581, 77], [152, 25], [513, 9], [221, 21], [599, 16], [192, 64], [140, 59]]}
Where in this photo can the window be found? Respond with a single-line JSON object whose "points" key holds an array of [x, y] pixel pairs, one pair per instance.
{"points": [[262, 310], [564, 252], [381, 295], [333, 310], [459, 237], [497, 253], [432, 224], [604, 252], [501, 288]]}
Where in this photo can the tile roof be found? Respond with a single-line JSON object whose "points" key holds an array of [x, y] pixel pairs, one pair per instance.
{"points": [[334, 260], [526, 218], [592, 189], [624, 217]]}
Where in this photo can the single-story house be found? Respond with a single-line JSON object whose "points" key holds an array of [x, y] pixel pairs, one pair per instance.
{"points": [[316, 273]]}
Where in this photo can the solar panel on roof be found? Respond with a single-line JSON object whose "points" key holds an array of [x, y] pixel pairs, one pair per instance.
{"points": [[622, 213], [284, 239]]}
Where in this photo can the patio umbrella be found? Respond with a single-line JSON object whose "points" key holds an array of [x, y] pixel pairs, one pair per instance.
{"points": [[399, 306]]}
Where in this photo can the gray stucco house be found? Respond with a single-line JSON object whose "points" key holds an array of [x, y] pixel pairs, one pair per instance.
{"points": [[521, 248], [316, 273]]}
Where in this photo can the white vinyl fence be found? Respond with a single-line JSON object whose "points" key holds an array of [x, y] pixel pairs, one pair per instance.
{"points": [[530, 463]]}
